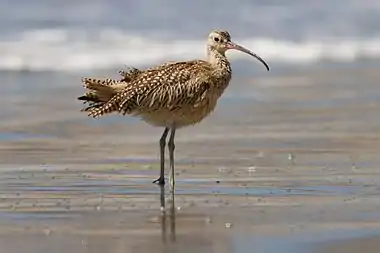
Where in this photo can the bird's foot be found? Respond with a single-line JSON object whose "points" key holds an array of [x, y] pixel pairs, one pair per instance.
{"points": [[159, 181]]}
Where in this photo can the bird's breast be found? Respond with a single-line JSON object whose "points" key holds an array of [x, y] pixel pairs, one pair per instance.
{"points": [[188, 114]]}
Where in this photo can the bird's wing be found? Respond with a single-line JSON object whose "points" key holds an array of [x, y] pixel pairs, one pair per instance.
{"points": [[171, 85]]}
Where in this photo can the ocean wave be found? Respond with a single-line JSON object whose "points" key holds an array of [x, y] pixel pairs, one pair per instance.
{"points": [[70, 50]]}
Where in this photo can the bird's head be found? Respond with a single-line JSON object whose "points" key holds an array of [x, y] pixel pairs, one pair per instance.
{"points": [[220, 41]]}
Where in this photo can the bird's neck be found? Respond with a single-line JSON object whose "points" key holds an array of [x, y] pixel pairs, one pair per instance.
{"points": [[218, 60]]}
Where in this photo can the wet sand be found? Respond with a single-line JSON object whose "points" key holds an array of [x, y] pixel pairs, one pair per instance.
{"points": [[287, 163]]}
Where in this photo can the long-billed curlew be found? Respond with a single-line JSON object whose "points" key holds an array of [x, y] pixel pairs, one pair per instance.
{"points": [[171, 95]]}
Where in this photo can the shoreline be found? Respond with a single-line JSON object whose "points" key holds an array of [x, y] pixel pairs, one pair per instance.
{"points": [[281, 162]]}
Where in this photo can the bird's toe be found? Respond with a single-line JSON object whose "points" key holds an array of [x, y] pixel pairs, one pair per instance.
{"points": [[159, 181]]}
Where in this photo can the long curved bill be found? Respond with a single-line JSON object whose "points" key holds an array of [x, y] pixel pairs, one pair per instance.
{"points": [[232, 45]]}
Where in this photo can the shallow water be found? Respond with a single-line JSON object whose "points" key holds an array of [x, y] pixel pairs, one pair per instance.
{"points": [[13, 136], [234, 209], [299, 242], [286, 162]]}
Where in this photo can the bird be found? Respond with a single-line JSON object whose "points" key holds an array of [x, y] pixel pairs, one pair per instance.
{"points": [[172, 95]]}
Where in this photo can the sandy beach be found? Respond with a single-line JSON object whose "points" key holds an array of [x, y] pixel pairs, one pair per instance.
{"points": [[287, 163]]}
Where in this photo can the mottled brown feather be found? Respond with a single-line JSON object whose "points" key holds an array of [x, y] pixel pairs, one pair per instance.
{"points": [[171, 94], [168, 88], [101, 90], [129, 74]]}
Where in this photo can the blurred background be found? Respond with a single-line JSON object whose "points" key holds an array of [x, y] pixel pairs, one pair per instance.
{"points": [[306, 132], [75, 35]]}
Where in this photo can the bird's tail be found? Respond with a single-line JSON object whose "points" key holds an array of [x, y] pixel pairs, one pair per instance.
{"points": [[100, 91]]}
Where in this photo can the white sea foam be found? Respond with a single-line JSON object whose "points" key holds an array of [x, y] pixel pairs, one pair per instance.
{"points": [[69, 50]]}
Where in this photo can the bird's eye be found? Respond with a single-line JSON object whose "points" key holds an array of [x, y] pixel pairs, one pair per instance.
{"points": [[216, 39]]}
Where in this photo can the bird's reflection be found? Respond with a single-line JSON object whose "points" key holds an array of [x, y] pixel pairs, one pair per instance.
{"points": [[167, 214]]}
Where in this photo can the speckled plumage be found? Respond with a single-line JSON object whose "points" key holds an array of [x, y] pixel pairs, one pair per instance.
{"points": [[171, 95], [102, 90], [179, 94]]}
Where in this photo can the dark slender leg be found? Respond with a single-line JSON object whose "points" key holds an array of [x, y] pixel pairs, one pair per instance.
{"points": [[171, 147], [161, 179]]}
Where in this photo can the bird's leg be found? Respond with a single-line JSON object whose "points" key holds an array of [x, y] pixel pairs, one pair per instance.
{"points": [[171, 147], [161, 179]]}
